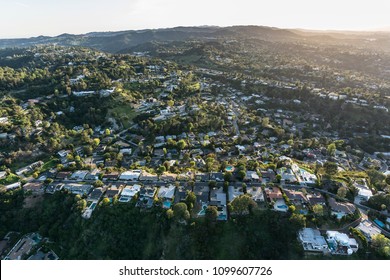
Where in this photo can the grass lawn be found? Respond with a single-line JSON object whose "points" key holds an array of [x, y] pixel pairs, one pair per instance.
{"points": [[49, 164], [10, 179], [123, 113]]}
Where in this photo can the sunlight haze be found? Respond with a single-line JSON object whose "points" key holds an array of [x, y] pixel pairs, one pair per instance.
{"points": [[26, 18]]}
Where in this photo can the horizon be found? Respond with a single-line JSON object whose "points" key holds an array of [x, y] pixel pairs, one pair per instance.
{"points": [[33, 18], [379, 30]]}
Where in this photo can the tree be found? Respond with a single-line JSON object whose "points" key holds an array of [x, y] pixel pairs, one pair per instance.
{"points": [[318, 209], [212, 184], [98, 184], [330, 168], [211, 213], [180, 211], [227, 176], [106, 201], [190, 200], [241, 174], [331, 149], [342, 192], [299, 218], [381, 245], [161, 169], [81, 205], [170, 214], [242, 204], [181, 144], [96, 142]]}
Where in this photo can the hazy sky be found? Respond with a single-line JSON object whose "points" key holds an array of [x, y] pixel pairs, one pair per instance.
{"points": [[26, 18]]}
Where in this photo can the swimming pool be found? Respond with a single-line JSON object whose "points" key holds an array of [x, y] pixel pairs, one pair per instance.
{"points": [[167, 204], [93, 205], [379, 223], [203, 211], [282, 206], [229, 168]]}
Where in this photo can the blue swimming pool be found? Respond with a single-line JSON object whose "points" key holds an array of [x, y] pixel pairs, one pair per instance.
{"points": [[93, 205], [167, 204], [203, 211], [282, 206], [229, 168], [379, 223]]}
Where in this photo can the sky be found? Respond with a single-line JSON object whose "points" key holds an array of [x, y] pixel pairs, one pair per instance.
{"points": [[28, 18]]}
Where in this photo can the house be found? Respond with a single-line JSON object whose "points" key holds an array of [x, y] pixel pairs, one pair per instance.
{"points": [[296, 197], [202, 177], [256, 193], [275, 197], [34, 187], [92, 176], [288, 176], [113, 176], [129, 192], [78, 188], [51, 189], [365, 192], [148, 177], [202, 198], [24, 246], [181, 193], [268, 175], [95, 195], [166, 193], [168, 177], [234, 191], [341, 243], [132, 175], [316, 198], [368, 229], [146, 196], [217, 176], [273, 193], [79, 175], [252, 176], [185, 176], [312, 240], [63, 175], [112, 192], [218, 199], [13, 186], [341, 209]]}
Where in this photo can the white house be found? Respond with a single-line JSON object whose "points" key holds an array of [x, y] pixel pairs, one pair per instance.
{"points": [[129, 192], [166, 192], [341, 243], [312, 240], [132, 175]]}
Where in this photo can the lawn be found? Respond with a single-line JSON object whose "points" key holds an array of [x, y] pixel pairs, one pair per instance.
{"points": [[10, 179], [49, 164], [123, 113]]}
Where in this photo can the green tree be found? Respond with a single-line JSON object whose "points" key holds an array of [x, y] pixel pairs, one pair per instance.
{"points": [[180, 211], [181, 144], [211, 213], [331, 149], [342, 192], [98, 184], [299, 218], [381, 245], [330, 168], [242, 204], [318, 210], [190, 200]]}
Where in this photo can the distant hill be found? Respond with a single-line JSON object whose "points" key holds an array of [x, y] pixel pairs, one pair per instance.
{"points": [[123, 40]]}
